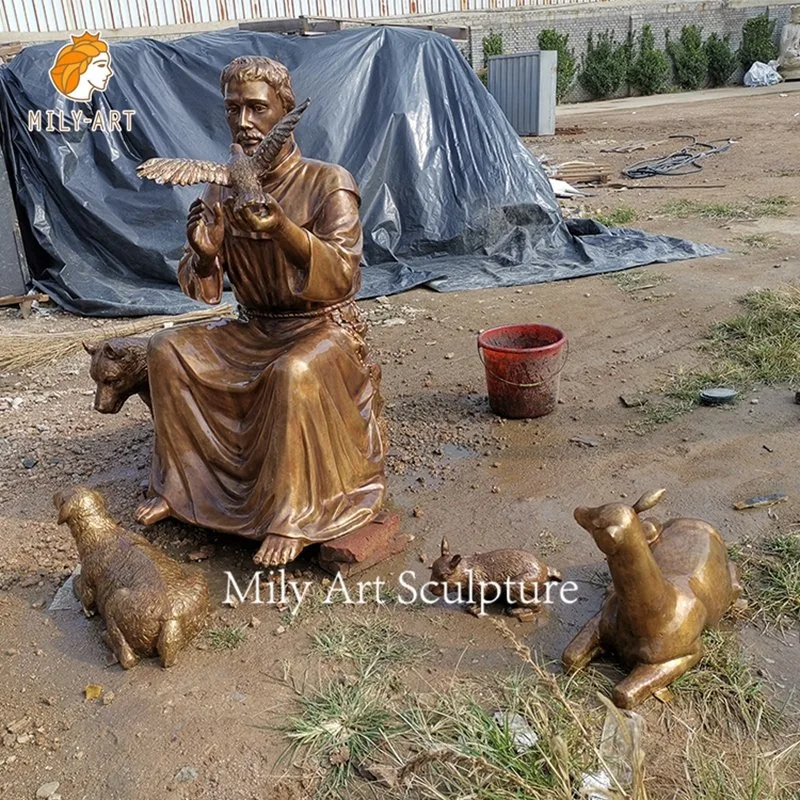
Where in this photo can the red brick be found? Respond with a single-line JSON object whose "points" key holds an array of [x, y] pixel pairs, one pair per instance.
{"points": [[363, 542], [365, 547]]}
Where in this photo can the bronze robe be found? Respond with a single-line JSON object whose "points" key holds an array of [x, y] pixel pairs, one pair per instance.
{"points": [[269, 425]]}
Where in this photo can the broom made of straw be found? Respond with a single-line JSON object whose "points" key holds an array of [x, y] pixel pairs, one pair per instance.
{"points": [[19, 351]]}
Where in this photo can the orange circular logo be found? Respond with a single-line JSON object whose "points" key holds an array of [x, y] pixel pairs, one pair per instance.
{"points": [[82, 67]]}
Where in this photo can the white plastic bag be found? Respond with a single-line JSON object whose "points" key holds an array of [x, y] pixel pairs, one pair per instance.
{"points": [[623, 757], [522, 735], [761, 74]]}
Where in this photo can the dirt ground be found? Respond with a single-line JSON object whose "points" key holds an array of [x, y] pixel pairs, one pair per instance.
{"points": [[454, 470]]}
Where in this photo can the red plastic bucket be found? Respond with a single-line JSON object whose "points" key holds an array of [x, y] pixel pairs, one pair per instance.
{"points": [[523, 368]]}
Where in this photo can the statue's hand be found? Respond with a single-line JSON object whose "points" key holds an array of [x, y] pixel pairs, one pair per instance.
{"points": [[205, 238], [267, 217]]}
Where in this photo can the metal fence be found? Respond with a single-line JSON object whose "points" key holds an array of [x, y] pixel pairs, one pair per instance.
{"points": [[35, 16]]}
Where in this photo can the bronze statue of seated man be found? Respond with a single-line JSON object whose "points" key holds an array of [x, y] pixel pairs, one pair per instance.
{"points": [[267, 426]]}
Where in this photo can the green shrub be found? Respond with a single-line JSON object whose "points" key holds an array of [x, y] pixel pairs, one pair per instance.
{"points": [[721, 59], [689, 59], [757, 44], [605, 66], [550, 39], [492, 46], [649, 70]]}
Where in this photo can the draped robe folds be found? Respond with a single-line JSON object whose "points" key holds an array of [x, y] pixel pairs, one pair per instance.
{"points": [[268, 425]]}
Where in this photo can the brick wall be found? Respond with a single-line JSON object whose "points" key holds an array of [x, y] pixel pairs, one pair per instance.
{"points": [[520, 27]]}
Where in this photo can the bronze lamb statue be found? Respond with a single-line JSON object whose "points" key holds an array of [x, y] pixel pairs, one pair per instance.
{"points": [[150, 603]]}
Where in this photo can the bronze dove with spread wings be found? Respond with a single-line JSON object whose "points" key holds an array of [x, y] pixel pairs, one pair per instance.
{"points": [[242, 173]]}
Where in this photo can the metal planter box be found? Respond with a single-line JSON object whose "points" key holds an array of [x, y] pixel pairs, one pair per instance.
{"points": [[524, 86]]}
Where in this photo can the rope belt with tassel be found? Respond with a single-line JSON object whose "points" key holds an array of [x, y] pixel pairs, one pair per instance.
{"points": [[252, 313]]}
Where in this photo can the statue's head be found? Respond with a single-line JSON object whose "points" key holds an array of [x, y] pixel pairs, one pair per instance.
{"points": [[79, 506], [82, 67], [257, 92]]}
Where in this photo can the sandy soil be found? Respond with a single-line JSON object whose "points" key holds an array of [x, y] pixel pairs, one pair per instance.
{"points": [[474, 478]]}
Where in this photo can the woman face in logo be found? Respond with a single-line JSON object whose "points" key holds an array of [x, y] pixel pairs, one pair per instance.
{"points": [[98, 72]]}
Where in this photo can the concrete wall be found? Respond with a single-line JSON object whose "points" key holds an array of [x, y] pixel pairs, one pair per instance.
{"points": [[520, 27]]}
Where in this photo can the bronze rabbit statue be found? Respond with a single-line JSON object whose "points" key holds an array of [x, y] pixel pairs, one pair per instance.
{"points": [[518, 573]]}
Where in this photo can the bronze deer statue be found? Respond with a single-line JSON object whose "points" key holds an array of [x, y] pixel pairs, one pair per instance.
{"points": [[670, 583]]}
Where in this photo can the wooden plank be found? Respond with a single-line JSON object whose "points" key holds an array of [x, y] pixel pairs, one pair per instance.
{"points": [[18, 299], [10, 49], [273, 25]]}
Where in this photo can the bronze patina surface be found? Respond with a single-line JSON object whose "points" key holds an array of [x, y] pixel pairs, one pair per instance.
{"points": [[520, 574], [150, 603], [267, 427], [119, 369], [243, 173], [670, 583]]}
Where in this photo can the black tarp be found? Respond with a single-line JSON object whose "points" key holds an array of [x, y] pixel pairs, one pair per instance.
{"points": [[448, 189]]}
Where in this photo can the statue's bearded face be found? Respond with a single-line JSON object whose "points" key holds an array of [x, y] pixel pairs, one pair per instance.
{"points": [[252, 108]]}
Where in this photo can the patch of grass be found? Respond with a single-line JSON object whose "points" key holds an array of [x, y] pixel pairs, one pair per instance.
{"points": [[724, 691], [771, 577], [226, 637], [764, 341], [636, 280], [684, 209], [321, 599], [313, 604], [683, 387], [775, 206], [758, 241], [679, 395], [371, 643], [739, 770], [342, 723], [734, 733], [616, 217], [447, 743], [752, 208], [760, 345], [451, 742], [462, 750]]}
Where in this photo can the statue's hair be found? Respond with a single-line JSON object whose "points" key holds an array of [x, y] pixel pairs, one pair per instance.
{"points": [[74, 59], [261, 68]]}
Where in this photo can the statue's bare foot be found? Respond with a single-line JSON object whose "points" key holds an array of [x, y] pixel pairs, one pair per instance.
{"points": [[275, 551], [152, 510]]}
